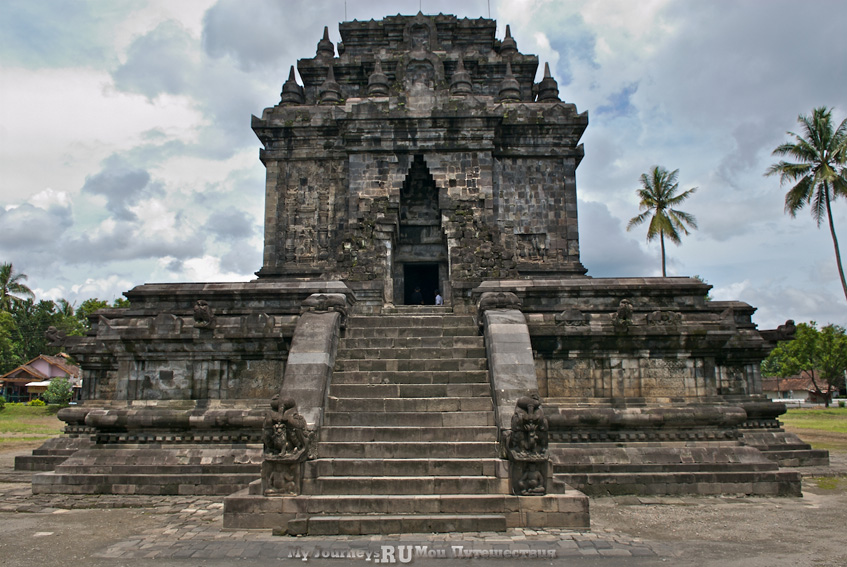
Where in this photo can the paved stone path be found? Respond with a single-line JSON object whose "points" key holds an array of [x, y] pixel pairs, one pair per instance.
{"points": [[159, 531], [191, 527]]}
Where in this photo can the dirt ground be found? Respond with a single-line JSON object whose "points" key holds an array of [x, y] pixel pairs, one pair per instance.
{"points": [[695, 531], [807, 531]]}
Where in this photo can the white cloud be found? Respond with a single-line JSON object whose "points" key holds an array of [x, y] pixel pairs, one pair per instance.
{"points": [[107, 288], [165, 89]]}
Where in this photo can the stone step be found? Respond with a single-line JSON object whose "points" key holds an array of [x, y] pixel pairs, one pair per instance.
{"points": [[38, 462], [334, 504], [408, 450], [382, 391], [346, 344], [416, 353], [394, 405], [411, 365], [78, 467], [405, 467], [440, 435], [407, 331], [793, 457], [411, 377], [248, 509], [416, 418], [636, 468], [418, 309], [411, 321], [390, 524], [148, 484], [758, 483], [405, 485]]}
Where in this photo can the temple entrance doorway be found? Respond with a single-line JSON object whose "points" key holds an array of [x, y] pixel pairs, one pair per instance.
{"points": [[420, 260], [423, 277]]}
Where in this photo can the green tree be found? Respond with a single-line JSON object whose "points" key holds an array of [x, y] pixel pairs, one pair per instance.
{"points": [[59, 392], [821, 354], [11, 287], [10, 340], [32, 320], [66, 319], [89, 306], [658, 196], [818, 174]]}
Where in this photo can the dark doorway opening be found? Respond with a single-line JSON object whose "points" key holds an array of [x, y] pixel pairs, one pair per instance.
{"points": [[422, 276]]}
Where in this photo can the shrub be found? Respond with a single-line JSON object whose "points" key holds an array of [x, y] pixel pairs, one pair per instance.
{"points": [[2, 402], [59, 392], [37, 403], [841, 403]]}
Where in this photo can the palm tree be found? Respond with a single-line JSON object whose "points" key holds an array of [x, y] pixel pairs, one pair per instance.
{"points": [[819, 174], [11, 287], [658, 196]]}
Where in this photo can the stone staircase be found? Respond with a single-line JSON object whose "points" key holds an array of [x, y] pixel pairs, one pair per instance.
{"points": [[408, 442]]}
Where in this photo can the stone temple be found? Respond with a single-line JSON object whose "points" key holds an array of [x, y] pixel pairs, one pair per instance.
{"points": [[417, 157]]}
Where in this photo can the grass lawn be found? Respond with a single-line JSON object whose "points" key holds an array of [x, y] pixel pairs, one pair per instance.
{"points": [[822, 428], [21, 426]]}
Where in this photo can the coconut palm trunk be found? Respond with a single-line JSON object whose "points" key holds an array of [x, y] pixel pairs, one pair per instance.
{"points": [[834, 240]]}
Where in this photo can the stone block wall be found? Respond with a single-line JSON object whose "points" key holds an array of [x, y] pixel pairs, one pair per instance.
{"points": [[535, 203], [616, 376], [160, 349], [669, 345]]}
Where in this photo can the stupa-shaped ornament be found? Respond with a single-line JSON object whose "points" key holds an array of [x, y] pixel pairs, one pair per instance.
{"points": [[510, 89], [461, 84], [548, 88], [292, 93], [508, 46], [377, 82], [325, 47], [330, 91]]}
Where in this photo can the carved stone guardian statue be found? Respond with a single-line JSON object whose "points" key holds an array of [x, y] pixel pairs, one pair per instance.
{"points": [[204, 318], [286, 446], [526, 448]]}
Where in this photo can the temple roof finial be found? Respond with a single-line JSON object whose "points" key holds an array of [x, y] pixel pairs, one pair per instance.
{"points": [[461, 83], [292, 93], [510, 89], [330, 91], [548, 88], [378, 81], [509, 45], [325, 46]]}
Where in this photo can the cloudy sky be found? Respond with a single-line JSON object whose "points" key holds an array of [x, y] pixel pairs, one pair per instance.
{"points": [[126, 154]]}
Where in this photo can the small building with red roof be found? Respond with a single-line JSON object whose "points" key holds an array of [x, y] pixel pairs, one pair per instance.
{"points": [[28, 381]]}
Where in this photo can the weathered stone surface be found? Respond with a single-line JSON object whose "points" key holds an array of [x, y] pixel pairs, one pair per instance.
{"points": [[422, 155]]}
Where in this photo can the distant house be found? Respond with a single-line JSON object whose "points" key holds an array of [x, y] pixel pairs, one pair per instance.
{"points": [[798, 387], [30, 380]]}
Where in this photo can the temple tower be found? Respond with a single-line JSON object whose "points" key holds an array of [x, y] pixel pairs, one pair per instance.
{"points": [[437, 166]]}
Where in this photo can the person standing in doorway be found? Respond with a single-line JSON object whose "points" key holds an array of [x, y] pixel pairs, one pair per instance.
{"points": [[417, 297], [438, 299]]}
